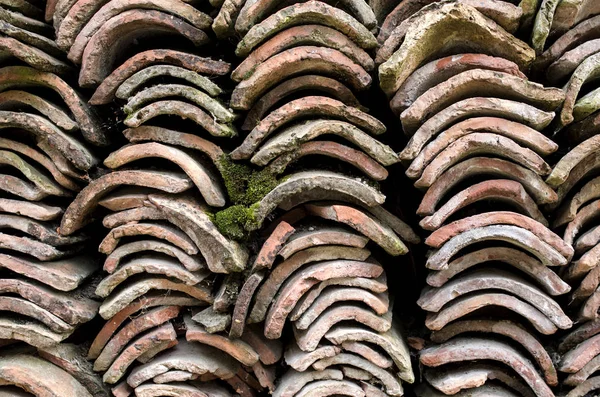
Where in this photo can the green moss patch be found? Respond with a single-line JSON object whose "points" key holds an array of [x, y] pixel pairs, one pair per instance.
{"points": [[245, 187]]}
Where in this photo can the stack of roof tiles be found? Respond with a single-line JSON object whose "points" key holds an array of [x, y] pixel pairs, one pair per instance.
{"points": [[566, 37], [196, 199], [477, 150], [47, 139]]}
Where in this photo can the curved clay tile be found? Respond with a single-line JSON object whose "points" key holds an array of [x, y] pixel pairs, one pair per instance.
{"points": [[490, 167], [76, 215], [134, 214], [312, 12], [508, 329], [144, 77], [587, 71], [440, 236], [253, 13], [378, 303], [588, 386], [44, 130], [580, 221], [33, 56], [545, 277], [100, 52], [136, 326], [86, 17], [221, 254], [191, 263], [290, 137], [292, 381], [119, 300], [156, 338], [320, 84], [507, 191], [464, 306], [577, 357], [368, 353], [470, 84], [586, 167], [24, 7], [32, 183], [505, 15], [424, 390], [301, 361], [467, 349], [588, 286], [320, 236], [162, 91], [63, 305], [454, 380], [313, 186], [159, 231], [481, 144], [581, 376], [37, 230], [28, 310], [279, 274], [358, 159], [196, 358], [149, 265], [438, 71], [309, 106], [9, 100], [236, 348], [589, 310], [302, 35], [89, 124], [273, 244], [143, 304], [390, 382], [171, 137], [570, 13], [39, 376], [41, 159], [296, 285], [205, 180], [519, 133], [483, 34], [298, 60], [564, 66], [183, 110], [376, 286], [579, 34], [543, 24], [433, 299], [363, 223], [40, 251], [105, 93], [474, 107], [30, 332], [37, 211], [22, 21], [28, 37], [587, 240], [391, 342], [517, 236], [63, 275]]}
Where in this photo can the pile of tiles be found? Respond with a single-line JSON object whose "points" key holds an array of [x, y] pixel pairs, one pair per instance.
{"points": [[477, 149], [250, 242], [568, 41], [48, 132]]}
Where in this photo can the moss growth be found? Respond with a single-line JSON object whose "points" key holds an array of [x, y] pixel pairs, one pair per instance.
{"points": [[245, 187], [236, 221]]}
